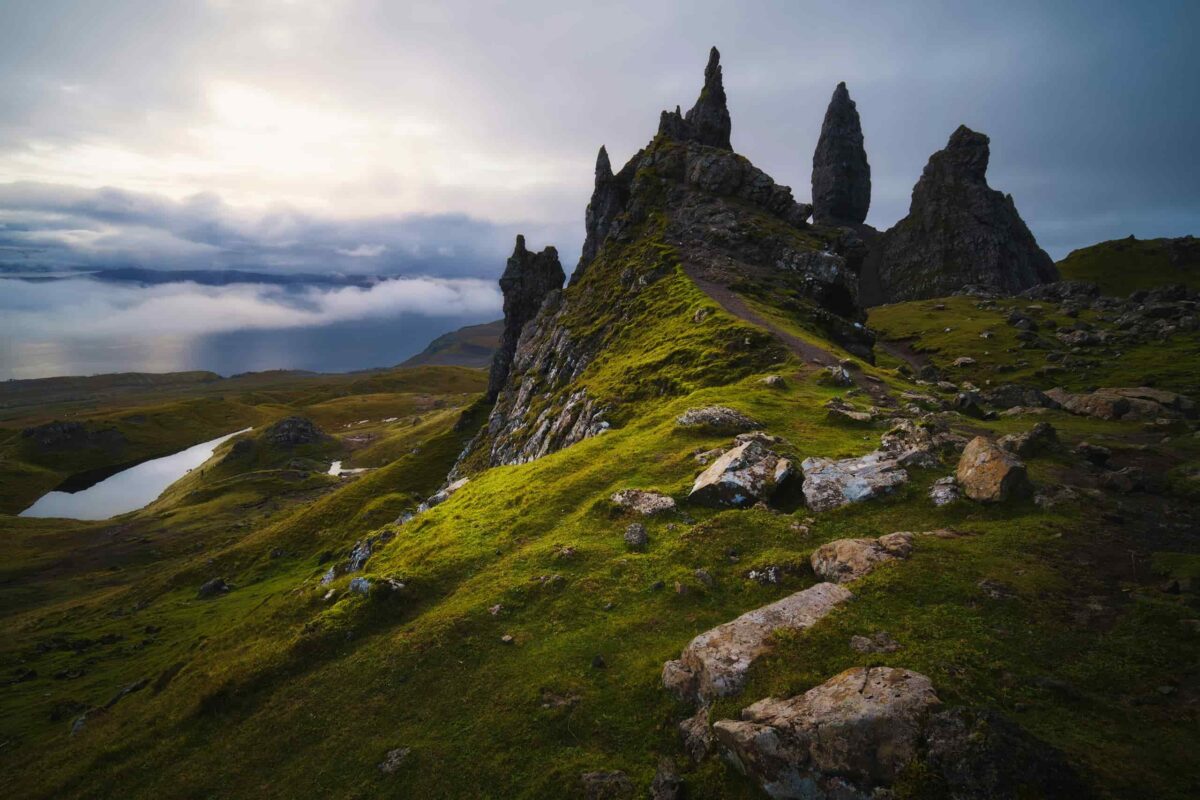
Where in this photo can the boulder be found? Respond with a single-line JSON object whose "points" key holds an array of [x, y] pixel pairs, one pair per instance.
{"points": [[714, 664], [642, 502], [846, 560], [841, 176], [1095, 404], [1012, 395], [442, 495], [830, 484], [697, 736], [945, 491], [744, 475], [716, 419], [636, 537], [1039, 439], [988, 473], [843, 739], [213, 588], [667, 785]]}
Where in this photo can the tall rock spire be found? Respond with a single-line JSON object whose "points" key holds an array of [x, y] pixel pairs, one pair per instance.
{"points": [[841, 176], [608, 200], [527, 279], [959, 232], [709, 118]]}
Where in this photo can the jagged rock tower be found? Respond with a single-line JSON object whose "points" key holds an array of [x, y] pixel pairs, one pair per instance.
{"points": [[841, 176], [684, 208], [959, 232], [528, 278]]}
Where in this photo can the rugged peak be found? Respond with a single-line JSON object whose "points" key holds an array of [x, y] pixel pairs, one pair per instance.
{"points": [[959, 232], [841, 176], [528, 278], [603, 167], [709, 117], [965, 157]]}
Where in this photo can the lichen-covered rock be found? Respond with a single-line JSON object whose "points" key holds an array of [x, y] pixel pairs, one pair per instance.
{"points": [[958, 232], [636, 537], [829, 484], [527, 280], [843, 739], [945, 491], [714, 664], [841, 176], [744, 475], [988, 473], [716, 419], [642, 502], [442, 495], [845, 560]]}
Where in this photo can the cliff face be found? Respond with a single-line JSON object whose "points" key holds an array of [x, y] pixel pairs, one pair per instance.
{"points": [[686, 203], [527, 280], [841, 176], [959, 232]]}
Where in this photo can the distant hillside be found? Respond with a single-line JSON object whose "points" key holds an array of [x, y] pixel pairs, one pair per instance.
{"points": [[1122, 266], [471, 346]]}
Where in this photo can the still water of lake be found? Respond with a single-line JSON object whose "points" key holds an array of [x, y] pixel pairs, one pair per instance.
{"points": [[129, 489]]}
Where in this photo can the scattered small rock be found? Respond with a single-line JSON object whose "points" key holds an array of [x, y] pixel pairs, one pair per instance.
{"points": [[393, 759], [636, 537], [878, 642]]}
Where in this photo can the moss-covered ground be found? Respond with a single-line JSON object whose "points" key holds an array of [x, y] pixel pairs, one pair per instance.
{"points": [[282, 687]]}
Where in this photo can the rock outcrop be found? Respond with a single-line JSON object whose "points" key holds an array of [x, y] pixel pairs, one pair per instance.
{"points": [[841, 176], [528, 278], [829, 484], [845, 560], [742, 476], [707, 122], [714, 664], [293, 431], [958, 232], [843, 739]]}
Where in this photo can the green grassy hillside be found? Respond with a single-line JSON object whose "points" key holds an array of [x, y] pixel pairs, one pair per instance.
{"points": [[287, 686], [1121, 266]]}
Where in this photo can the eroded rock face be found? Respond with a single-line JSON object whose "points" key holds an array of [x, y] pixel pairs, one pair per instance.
{"points": [[742, 476], [714, 664], [841, 176], [842, 739], [292, 431], [610, 193], [528, 278], [988, 473], [846, 560], [958, 232], [830, 484]]}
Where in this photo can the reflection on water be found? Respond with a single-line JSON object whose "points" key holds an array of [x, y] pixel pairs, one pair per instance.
{"points": [[129, 489]]}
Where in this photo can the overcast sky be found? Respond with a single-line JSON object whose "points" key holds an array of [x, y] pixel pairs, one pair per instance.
{"points": [[415, 137]]}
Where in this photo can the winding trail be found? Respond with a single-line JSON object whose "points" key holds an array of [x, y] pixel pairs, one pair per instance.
{"points": [[813, 355]]}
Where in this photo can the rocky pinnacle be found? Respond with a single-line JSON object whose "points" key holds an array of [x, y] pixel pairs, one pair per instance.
{"points": [[527, 279], [841, 176], [608, 199], [959, 232], [709, 118]]}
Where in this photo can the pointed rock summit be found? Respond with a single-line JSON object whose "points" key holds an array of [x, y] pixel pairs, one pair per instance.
{"points": [[841, 176], [959, 232], [608, 199], [528, 278], [709, 118]]}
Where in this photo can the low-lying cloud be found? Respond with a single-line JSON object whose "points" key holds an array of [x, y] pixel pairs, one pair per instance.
{"points": [[81, 307]]}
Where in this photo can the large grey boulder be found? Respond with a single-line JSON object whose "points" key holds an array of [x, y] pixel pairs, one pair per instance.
{"points": [[841, 176], [742, 476], [846, 560], [643, 502], [714, 664], [843, 739], [958, 232], [830, 484], [716, 419], [527, 280]]}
